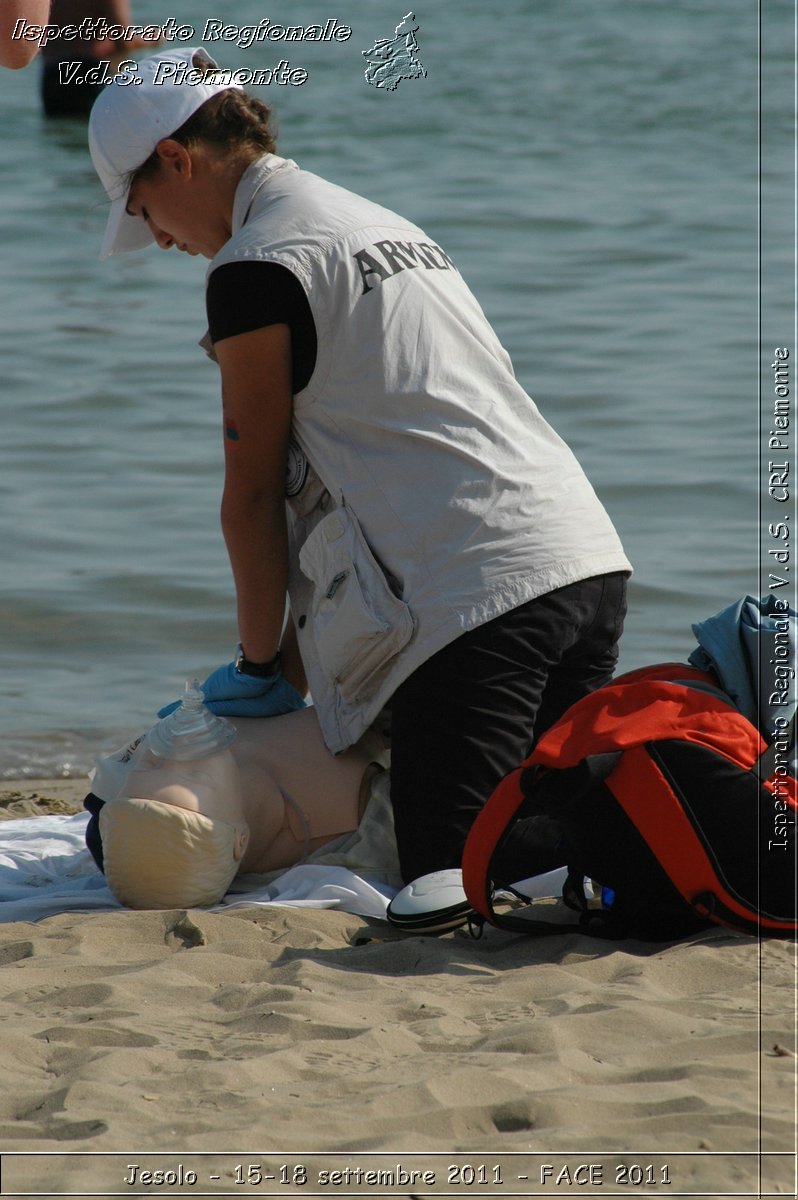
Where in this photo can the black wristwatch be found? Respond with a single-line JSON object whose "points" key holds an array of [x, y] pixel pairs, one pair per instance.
{"points": [[259, 670]]}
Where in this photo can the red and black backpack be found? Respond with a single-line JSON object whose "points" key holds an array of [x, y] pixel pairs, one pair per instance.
{"points": [[669, 798]]}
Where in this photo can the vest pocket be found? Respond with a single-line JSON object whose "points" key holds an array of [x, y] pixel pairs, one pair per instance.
{"points": [[359, 624]]}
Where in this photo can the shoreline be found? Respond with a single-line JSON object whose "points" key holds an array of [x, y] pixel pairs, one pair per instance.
{"points": [[41, 797]]}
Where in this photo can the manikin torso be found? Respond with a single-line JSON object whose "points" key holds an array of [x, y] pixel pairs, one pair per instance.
{"points": [[277, 784]]}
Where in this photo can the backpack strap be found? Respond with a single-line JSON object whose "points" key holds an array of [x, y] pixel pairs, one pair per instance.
{"points": [[492, 824], [683, 854], [485, 835]]}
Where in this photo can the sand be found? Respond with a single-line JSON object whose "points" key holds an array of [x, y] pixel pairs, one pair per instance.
{"points": [[304, 1039]]}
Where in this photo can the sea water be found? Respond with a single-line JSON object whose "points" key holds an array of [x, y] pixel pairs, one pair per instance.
{"points": [[592, 170]]}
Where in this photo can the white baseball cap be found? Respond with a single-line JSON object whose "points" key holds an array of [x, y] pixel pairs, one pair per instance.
{"points": [[130, 117]]}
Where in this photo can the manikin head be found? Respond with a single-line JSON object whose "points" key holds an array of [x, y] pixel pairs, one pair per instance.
{"points": [[158, 855]]}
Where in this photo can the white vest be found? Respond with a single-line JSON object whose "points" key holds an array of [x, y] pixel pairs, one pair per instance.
{"points": [[438, 497]]}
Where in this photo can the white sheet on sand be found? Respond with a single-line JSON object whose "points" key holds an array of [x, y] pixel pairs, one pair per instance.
{"points": [[46, 869]]}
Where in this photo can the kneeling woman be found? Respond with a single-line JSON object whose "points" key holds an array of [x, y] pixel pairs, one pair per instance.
{"points": [[443, 553]]}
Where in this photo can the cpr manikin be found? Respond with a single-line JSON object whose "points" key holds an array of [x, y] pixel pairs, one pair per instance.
{"points": [[199, 800]]}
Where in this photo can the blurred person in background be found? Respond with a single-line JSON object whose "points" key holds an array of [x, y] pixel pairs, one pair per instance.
{"points": [[15, 52], [73, 69]]}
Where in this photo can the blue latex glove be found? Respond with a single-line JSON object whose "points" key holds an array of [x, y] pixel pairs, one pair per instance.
{"points": [[230, 693]]}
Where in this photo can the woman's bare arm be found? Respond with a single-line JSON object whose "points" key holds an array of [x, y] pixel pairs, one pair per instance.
{"points": [[14, 52], [257, 403]]}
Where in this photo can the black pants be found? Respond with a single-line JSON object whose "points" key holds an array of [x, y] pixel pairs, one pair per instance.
{"points": [[473, 711]]}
